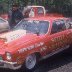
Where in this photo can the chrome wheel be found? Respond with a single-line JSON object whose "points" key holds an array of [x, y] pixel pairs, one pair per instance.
{"points": [[30, 61]]}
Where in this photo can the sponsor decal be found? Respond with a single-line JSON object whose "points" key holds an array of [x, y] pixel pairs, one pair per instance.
{"points": [[41, 43], [44, 48], [26, 49], [36, 45], [59, 41]]}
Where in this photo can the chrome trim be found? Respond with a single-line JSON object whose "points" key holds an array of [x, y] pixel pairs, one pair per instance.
{"points": [[8, 62], [9, 65]]}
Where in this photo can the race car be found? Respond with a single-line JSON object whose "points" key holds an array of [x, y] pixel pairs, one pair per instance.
{"points": [[32, 40]]}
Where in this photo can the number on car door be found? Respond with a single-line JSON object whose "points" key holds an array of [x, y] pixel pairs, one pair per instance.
{"points": [[58, 35]]}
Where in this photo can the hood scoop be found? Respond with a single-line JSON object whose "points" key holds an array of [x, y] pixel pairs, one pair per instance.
{"points": [[10, 36]]}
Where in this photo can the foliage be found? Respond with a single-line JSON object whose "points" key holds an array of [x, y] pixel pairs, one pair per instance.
{"points": [[63, 6], [5, 5], [60, 6]]}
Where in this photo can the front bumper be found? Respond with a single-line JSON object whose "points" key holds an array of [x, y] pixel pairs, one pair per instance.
{"points": [[10, 65]]}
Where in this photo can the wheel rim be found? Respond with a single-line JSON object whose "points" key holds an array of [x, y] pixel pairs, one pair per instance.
{"points": [[31, 61]]}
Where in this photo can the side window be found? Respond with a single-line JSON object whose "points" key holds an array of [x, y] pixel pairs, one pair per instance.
{"points": [[43, 27], [40, 10], [54, 28], [31, 14], [58, 26], [69, 24]]}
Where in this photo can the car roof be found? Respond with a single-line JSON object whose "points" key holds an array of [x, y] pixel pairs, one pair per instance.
{"points": [[46, 18]]}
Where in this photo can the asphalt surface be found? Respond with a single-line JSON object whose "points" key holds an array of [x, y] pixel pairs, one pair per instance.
{"points": [[61, 62]]}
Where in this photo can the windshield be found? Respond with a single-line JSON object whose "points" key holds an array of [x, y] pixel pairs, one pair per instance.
{"points": [[33, 26]]}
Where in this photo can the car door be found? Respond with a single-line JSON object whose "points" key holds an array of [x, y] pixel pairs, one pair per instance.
{"points": [[59, 39]]}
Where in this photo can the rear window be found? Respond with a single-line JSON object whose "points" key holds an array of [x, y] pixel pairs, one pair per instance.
{"points": [[40, 10]]}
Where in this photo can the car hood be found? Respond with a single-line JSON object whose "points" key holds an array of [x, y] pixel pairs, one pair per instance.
{"points": [[15, 39], [2, 46], [8, 37]]}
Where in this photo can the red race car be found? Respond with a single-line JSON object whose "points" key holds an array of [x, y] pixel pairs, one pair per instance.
{"points": [[34, 39]]}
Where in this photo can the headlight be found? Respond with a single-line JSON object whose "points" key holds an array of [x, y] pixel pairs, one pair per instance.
{"points": [[8, 56]]}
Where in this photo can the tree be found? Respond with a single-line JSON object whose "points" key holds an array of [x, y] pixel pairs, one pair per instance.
{"points": [[63, 6]]}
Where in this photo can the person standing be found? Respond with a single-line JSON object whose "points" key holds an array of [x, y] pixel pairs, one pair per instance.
{"points": [[15, 15]]}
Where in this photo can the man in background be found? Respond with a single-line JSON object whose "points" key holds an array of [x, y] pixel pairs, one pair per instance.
{"points": [[15, 15]]}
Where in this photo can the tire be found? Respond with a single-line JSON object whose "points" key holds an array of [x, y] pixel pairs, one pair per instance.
{"points": [[30, 63], [33, 65]]}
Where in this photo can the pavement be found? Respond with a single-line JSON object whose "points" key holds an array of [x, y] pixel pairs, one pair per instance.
{"points": [[61, 62]]}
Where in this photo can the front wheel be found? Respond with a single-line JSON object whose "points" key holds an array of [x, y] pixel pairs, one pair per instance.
{"points": [[30, 61]]}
